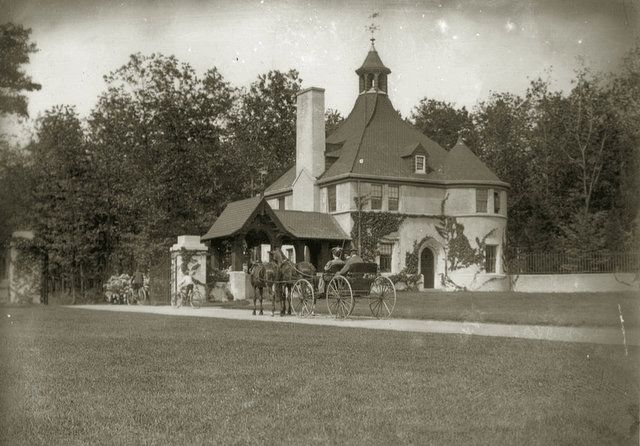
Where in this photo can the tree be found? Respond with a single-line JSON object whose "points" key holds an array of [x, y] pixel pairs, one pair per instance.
{"points": [[624, 104], [15, 49], [66, 214], [504, 144], [569, 159], [264, 129], [15, 182], [157, 133], [444, 123], [332, 120], [588, 131]]}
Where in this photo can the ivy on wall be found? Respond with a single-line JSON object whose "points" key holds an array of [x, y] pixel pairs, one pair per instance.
{"points": [[187, 258], [458, 250], [371, 227], [460, 253], [411, 258]]}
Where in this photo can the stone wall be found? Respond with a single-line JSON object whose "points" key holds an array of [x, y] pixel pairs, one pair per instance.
{"points": [[570, 283], [24, 270], [4, 275]]}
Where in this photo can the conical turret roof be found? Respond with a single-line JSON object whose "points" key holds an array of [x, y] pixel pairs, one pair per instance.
{"points": [[373, 63], [374, 141]]}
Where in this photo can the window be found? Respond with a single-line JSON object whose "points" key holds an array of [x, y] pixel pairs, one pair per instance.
{"points": [[496, 202], [394, 197], [290, 254], [490, 258], [481, 200], [376, 196], [281, 203], [420, 164], [385, 257], [331, 202]]}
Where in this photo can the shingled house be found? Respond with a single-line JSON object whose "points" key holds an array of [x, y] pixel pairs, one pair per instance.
{"points": [[450, 208]]}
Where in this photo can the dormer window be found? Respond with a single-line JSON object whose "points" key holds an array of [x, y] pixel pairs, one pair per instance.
{"points": [[421, 165]]}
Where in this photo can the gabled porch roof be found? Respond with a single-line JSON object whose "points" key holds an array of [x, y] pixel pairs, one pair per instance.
{"points": [[240, 217]]}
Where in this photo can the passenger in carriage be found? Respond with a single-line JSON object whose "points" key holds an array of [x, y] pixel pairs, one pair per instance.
{"points": [[336, 260], [336, 252], [353, 258]]}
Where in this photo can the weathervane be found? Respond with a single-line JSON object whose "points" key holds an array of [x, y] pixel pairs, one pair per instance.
{"points": [[372, 28]]}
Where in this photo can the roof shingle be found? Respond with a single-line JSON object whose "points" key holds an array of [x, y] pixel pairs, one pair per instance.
{"points": [[232, 219], [311, 225], [283, 183], [238, 215], [463, 165], [375, 139]]}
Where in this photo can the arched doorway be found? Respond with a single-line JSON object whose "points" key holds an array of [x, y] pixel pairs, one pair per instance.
{"points": [[427, 266]]}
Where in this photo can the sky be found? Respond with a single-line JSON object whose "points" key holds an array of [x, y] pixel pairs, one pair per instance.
{"points": [[457, 51]]}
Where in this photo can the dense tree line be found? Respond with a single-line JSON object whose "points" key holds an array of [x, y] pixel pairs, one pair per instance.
{"points": [[572, 159], [165, 149]]}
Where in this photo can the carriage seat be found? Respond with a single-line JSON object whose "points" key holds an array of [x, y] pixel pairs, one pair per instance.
{"points": [[355, 269], [360, 275], [334, 269]]}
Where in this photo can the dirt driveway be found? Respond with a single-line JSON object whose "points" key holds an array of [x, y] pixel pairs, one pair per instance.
{"points": [[605, 335]]}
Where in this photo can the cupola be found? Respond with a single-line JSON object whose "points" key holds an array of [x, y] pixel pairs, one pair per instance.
{"points": [[373, 73]]}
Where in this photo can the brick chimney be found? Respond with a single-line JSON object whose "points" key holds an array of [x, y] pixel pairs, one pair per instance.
{"points": [[310, 146]]}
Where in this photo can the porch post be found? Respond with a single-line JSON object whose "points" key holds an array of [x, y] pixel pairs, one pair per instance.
{"points": [[324, 254], [299, 248], [239, 281], [236, 254], [214, 250]]}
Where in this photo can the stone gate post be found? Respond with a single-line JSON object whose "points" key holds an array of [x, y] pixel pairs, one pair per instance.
{"points": [[24, 270], [188, 256]]}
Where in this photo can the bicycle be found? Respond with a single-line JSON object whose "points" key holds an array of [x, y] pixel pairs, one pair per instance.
{"points": [[143, 295], [134, 297], [193, 298]]}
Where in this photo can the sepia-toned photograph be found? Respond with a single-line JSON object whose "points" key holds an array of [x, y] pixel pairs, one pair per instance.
{"points": [[281, 222]]}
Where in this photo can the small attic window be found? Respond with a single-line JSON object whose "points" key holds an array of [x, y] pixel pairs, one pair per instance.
{"points": [[421, 164]]}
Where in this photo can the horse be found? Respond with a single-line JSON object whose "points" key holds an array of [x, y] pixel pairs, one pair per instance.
{"points": [[288, 273], [263, 275]]}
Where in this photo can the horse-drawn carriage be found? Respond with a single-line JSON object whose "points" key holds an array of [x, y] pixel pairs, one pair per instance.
{"points": [[297, 285], [362, 281]]}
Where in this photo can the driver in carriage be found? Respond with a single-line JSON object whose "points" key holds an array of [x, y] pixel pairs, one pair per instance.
{"points": [[336, 253], [277, 256], [353, 258]]}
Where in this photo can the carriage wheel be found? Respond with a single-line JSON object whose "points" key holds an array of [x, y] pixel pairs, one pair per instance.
{"points": [[339, 297], [382, 297], [302, 298]]}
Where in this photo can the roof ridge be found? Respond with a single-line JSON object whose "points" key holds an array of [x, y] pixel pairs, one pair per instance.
{"points": [[299, 211], [364, 130]]}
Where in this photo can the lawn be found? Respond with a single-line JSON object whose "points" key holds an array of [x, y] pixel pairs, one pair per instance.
{"points": [[569, 309], [73, 376]]}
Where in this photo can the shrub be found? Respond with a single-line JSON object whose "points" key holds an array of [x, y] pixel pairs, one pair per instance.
{"points": [[216, 275], [412, 280], [117, 287]]}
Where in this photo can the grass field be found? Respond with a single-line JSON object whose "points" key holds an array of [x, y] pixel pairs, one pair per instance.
{"points": [[73, 376], [570, 309]]}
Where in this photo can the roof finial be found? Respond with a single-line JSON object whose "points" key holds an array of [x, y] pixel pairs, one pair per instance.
{"points": [[373, 27]]}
